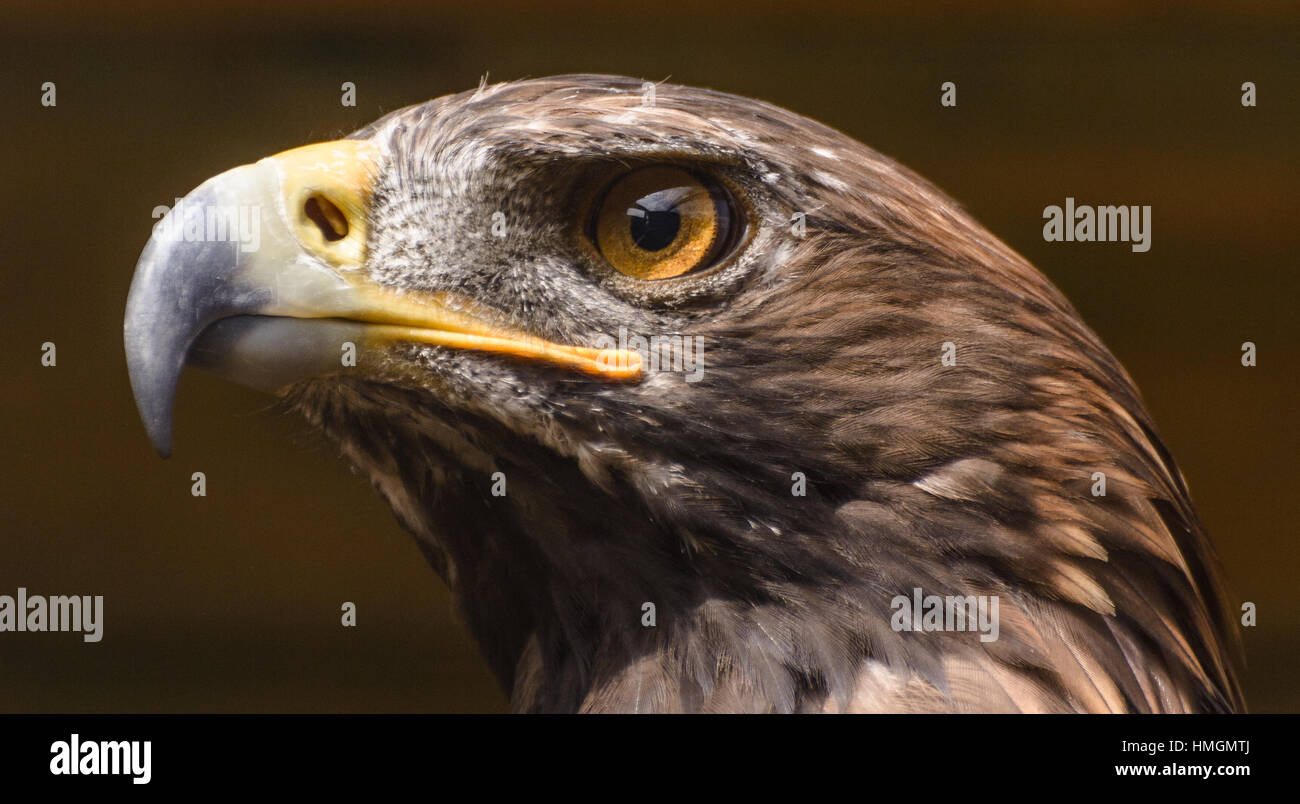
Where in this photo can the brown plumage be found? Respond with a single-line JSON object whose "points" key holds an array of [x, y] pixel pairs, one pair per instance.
{"points": [[822, 356]]}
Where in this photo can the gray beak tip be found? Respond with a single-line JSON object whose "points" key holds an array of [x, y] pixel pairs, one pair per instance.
{"points": [[154, 402], [160, 435], [163, 447], [154, 366]]}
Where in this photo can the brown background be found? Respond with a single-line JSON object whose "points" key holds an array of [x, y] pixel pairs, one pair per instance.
{"points": [[231, 602]]}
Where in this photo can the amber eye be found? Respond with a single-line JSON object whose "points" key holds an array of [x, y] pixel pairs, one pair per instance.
{"points": [[661, 222]]}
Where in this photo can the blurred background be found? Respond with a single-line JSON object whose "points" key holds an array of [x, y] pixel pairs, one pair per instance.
{"points": [[231, 602]]}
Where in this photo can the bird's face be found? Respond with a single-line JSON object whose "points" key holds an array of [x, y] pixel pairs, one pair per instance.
{"points": [[527, 247], [498, 249], [584, 225]]}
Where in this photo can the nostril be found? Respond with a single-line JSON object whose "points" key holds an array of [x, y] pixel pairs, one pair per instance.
{"points": [[331, 221]]}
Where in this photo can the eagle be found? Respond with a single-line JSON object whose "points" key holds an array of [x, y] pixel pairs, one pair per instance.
{"points": [[698, 405]]}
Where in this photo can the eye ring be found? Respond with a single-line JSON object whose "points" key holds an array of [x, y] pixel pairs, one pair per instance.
{"points": [[663, 222]]}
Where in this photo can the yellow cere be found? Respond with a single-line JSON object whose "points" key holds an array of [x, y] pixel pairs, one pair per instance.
{"points": [[325, 189]]}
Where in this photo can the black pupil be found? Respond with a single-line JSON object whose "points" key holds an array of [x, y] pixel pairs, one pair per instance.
{"points": [[654, 221]]}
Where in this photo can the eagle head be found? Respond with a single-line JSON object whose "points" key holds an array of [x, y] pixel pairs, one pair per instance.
{"points": [[681, 393]]}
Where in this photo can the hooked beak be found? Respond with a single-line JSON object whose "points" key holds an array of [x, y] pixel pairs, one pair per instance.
{"points": [[257, 275]]}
